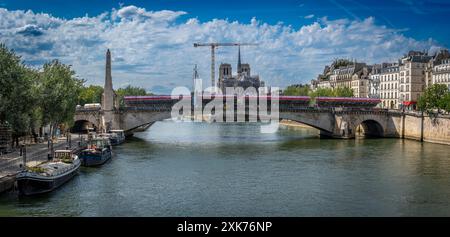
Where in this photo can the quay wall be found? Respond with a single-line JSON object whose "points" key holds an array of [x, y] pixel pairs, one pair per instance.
{"points": [[436, 130], [7, 183], [415, 126]]}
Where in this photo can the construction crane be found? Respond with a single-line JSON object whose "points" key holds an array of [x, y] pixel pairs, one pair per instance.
{"points": [[213, 48]]}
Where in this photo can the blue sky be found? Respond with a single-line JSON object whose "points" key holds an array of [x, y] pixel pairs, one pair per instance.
{"points": [[151, 40]]}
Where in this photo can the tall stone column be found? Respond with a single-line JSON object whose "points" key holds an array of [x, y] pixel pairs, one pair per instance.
{"points": [[108, 92], [108, 98]]}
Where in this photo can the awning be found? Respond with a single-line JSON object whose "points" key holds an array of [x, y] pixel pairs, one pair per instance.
{"points": [[409, 103]]}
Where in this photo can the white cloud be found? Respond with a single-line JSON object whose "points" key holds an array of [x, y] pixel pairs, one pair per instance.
{"points": [[136, 13], [154, 49], [309, 16]]}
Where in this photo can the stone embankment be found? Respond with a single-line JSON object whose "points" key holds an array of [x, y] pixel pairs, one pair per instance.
{"points": [[411, 125]]}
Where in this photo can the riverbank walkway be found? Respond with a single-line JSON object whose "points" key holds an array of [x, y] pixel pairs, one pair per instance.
{"points": [[12, 163]]}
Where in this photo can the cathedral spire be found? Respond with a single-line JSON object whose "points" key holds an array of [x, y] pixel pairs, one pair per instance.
{"points": [[239, 65], [194, 77], [196, 72]]}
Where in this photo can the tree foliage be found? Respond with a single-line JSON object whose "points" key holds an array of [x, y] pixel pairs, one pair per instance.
{"points": [[304, 90], [299, 90], [329, 92], [343, 92], [17, 95], [445, 102], [325, 92], [342, 63], [32, 98], [60, 93], [436, 98], [90, 94]]}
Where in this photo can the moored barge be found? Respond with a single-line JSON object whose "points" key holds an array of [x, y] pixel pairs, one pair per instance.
{"points": [[50, 175], [97, 153]]}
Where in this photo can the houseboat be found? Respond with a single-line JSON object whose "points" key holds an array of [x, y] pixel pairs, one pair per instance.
{"points": [[98, 151], [117, 137], [50, 175]]}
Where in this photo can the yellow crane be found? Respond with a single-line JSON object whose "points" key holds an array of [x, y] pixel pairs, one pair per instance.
{"points": [[213, 48]]}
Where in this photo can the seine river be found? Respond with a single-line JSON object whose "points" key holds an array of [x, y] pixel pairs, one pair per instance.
{"points": [[201, 169]]}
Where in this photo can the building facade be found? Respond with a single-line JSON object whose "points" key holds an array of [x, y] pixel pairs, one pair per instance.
{"points": [[441, 73], [344, 73], [389, 84], [374, 81], [438, 69], [361, 82], [398, 85], [412, 77]]}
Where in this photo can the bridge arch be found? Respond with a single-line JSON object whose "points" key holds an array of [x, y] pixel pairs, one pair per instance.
{"points": [[136, 120], [370, 128], [82, 125], [84, 119], [324, 122], [322, 130]]}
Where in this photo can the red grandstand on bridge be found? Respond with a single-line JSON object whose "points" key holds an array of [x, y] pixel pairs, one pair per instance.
{"points": [[307, 101]]}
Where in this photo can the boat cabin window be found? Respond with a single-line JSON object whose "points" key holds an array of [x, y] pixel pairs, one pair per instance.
{"points": [[62, 154], [94, 144]]}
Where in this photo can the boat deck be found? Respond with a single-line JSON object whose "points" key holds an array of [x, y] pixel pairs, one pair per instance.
{"points": [[55, 168]]}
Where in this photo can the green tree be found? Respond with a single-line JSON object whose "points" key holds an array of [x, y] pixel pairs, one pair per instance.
{"points": [[18, 99], [445, 102], [435, 98], [35, 100], [329, 92], [130, 90], [10, 77], [322, 92], [342, 63], [60, 94], [90, 94], [343, 92], [298, 90]]}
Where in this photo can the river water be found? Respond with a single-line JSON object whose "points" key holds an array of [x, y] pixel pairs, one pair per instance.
{"points": [[201, 169]]}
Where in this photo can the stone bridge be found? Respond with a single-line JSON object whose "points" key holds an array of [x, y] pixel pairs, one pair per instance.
{"points": [[331, 122]]}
